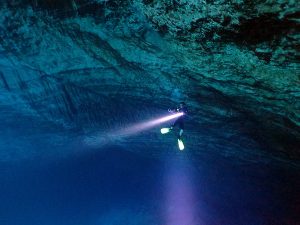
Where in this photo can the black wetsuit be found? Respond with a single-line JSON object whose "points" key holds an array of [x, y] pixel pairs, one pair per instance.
{"points": [[180, 120]]}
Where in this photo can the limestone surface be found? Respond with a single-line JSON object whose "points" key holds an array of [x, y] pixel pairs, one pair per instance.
{"points": [[87, 67]]}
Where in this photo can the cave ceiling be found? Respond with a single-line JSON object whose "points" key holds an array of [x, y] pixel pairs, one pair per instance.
{"points": [[89, 66]]}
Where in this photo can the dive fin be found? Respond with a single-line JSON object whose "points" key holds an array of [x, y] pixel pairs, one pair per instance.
{"points": [[165, 130], [180, 144]]}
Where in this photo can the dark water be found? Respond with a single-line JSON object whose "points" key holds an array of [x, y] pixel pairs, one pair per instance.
{"points": [[116, 187]]}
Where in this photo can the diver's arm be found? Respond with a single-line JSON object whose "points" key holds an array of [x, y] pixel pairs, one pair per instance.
{"points": [[172, 110]]}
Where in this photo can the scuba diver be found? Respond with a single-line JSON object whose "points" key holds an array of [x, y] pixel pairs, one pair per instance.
{"points": [[179, 122]]}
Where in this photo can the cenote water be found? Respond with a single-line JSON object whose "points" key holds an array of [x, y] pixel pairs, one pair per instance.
{"points": [[87, 85], [114, 186]]}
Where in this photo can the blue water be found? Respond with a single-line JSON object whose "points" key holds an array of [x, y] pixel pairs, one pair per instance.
{"points": [[114, 186]]}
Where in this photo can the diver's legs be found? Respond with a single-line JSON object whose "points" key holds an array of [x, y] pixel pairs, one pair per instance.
{"points": [[180, 133], [179, 140], [174, 124]]}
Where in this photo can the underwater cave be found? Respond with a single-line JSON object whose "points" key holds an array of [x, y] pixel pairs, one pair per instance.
{"points": [[90, 132]]}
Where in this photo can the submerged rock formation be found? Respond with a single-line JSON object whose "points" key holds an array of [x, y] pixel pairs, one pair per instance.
{"points": [[92, 65]]}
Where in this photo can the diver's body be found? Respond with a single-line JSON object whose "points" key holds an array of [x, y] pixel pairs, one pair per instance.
{"points": [[180, 121]]}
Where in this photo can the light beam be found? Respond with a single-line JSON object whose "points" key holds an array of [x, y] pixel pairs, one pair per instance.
{"points": [[112, 136], [180, 199]]}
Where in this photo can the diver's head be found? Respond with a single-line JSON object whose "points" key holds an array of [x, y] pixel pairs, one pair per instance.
{"points": [[182, 104]]}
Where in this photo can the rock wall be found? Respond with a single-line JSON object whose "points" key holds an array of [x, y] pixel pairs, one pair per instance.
{"points": [[235, 63]]}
